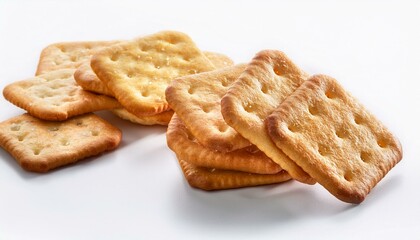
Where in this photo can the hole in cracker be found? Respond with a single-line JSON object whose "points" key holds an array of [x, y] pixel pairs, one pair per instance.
{"points": [[358, 120], [313, 110], [249, 108], [364, 156], [37, 150], [145, 93], [349, 176], [293, 128], [340, 133], [330, 94], [223, 128], [15, 127], [206, 109], [383, 143], [73, 58], [79, 123], [192, 71], [264, 88], [94, 133], [191, 90], [64, 142], [323, 150], [277, 71], [225, 82], [114, 57], [22, 137]]}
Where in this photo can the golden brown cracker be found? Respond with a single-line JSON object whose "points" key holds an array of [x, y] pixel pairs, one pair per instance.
{"points": [[196, 100], [88, 80], [40, 146], [68, 55], [219, 60], [334, 138], [250, 159], [162, 118], [138, 71], [55, 96], [267, 80], [215, 179]]}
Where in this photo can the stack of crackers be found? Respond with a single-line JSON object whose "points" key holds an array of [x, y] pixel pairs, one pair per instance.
{"points": [[238, 121], [229, 125]]}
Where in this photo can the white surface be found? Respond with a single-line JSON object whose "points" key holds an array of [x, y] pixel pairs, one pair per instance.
{"points": [[138, 191]]}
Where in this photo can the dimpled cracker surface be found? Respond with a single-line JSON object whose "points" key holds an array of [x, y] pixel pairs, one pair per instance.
{"points": [[162, 118], [196, 100], [55, 96], [88, 80], [68, 55], [267, 80], [215, 179], [334, 138], [40, 146], [183, 143], [138, 71]]}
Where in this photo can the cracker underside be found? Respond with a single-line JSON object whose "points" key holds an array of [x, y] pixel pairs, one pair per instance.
{"points": [[196, 100], [183, 143], [40, 146], [68, 55], [162, 118], [55, 96], [215, 179], [267, 80], [334, 138], [138, 71]]}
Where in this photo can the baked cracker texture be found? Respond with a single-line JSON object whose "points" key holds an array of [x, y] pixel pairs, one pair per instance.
{"points": [[267, 80], [40, 146], [68, 55], [162, 118], [183, 143], [88, 80], [137, 72], [334, 138], [55, 96], [215, 179], [196, 100]]}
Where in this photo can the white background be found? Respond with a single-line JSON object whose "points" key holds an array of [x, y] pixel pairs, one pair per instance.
{"points": [[138, 191]]}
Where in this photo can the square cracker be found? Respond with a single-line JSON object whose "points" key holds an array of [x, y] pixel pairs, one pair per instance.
{"points": [[216, 179], [68, 55], [137, 72], [196, 100], [55, 96], [40, 146], [334, 138], [267, 80], [250, 159], [88, 80]]}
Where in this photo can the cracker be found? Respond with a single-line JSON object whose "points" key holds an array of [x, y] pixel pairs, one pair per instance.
{"points": [[334, 138], [40, 146], [162, 118], [219, 60], [250, 159], [215, 179], [196, 100], [55, 96], [68, 55], [268, 79], [88, 80], [138, 71]]}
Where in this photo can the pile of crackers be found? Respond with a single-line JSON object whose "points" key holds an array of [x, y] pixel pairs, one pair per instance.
{"points": [[230, 125]]}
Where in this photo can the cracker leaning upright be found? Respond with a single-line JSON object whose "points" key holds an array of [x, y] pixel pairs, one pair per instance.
{"points": [[138, 71], [196, 100], [334, 138], [267, 80]]}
